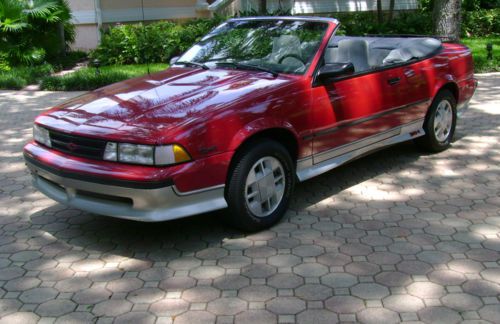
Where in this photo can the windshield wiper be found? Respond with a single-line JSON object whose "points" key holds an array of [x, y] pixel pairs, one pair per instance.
{"points": [[248, 67], [189, 63]]}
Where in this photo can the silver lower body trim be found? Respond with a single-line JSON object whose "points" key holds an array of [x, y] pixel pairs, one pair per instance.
{"points": [[146, 205], [325, 161]]}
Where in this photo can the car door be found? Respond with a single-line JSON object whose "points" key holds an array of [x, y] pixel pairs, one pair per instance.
{"points": [[354, 112]]}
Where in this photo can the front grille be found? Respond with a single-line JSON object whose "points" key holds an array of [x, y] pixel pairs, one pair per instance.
{"points": [[78, 146]]}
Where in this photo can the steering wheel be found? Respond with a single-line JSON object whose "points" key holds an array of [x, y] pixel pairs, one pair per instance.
{"points": [[295, 56]]}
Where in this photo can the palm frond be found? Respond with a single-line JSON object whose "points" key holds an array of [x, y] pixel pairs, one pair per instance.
{"points": [[41, 10]]}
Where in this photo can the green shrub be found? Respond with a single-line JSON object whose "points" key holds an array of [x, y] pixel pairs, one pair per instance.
{"points": [[19, 77], [154, 43], [362, 23], [88, 79], [9, 81], [82, 80], [484, 22]]}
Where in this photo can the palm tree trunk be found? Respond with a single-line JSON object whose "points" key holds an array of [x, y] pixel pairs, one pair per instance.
{"points": [[263, 6], [391, 9], [379, 14]]}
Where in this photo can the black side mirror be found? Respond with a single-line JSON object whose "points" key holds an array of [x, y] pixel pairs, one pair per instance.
{"points": [[334, 70]]}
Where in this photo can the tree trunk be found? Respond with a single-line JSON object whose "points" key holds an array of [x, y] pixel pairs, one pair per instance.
{"points": [[263, 7], [447, 19], [391, 9], [379, 12]]}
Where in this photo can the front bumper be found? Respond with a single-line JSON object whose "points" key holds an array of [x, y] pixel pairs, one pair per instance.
{"points": [[135, 203]]}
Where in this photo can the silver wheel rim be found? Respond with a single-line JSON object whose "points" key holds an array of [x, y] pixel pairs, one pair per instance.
{"points": [[443, 120], [265, 186]]}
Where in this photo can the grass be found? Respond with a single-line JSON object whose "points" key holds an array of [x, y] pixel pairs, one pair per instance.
{"points": [[19, 77], [478, 47], [87, 79]]}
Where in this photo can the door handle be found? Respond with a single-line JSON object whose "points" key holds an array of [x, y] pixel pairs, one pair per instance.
{"points": [[394, 81], [409, 73]]}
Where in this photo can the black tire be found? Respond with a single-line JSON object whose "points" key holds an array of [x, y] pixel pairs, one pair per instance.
{"points": [[430, 142], [239, 214]]}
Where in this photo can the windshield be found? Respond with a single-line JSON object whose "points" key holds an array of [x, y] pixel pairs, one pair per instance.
{"points": [[280, 46]]}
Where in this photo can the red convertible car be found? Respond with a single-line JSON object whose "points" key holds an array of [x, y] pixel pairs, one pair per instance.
{"points": [[257, 105]]}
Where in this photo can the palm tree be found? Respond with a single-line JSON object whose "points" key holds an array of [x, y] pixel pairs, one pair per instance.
{"points": [[29, 29]]}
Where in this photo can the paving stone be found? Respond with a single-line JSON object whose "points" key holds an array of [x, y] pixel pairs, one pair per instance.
{"points": [[414, 267], [256, 316], [426, 290], [378, 315], [91, 295], [308, 250], [178, 283], [75, 318], [73, 284], [384, 258], [490, 312], [403, 303], [434, 257], [227, 306], [369, 291], [393, 279], [231, 282], [8, 306], [465, 266], [334, 259], [136, 317], [492, 275], [38, 295], [20, 317], [207, 272], [447, 277], [145, 295], [284, 260], [258, 271], [462, 302], [317, 316], [200, 294], [285, 281], [285, 305], [439, 315], [113, 307], [362, 268], [257, 293], [339, 280], [125, 285], [344, 304], [313, 292], [54, 308], [22, 284], [310, 270], [481, 288]]}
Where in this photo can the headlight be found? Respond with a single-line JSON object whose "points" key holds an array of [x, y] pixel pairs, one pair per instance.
{"points": [[145, 154], [41, 135]]}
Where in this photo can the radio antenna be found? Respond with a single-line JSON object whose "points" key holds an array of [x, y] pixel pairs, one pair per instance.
{"points": [[144, 36]]}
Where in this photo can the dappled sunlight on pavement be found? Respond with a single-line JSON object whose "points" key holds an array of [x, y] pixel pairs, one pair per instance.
{"points": [[395, 236]]}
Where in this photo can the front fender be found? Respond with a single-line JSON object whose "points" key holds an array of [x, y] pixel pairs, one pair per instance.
{"points": [[258, 126]]}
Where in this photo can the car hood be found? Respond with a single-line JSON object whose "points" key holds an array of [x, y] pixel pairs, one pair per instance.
{"points": [[150, 108]]}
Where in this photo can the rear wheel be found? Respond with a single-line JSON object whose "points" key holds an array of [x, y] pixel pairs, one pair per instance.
{"points": [[260, 186], [440, 123]]}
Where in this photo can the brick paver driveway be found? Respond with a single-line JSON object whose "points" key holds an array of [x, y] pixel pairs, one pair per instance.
{"points": [[396, 236]]}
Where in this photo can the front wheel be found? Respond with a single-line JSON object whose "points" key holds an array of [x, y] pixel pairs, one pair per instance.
{"points": [[440, 123], [260, 186]]}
